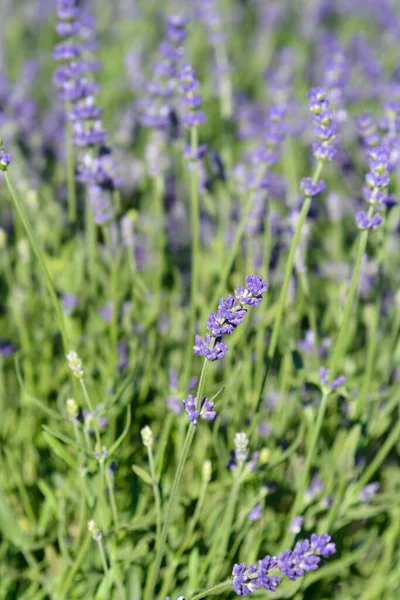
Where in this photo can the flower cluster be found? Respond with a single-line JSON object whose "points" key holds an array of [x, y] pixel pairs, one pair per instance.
{"points": [[324, 375], [311, 189], [241, 446], [191, 99], [231, 312], [159, 111], [325, 128], [293, 564], [375, 191], [74, 80], [5, 159], [75, 364], [204, 411]]}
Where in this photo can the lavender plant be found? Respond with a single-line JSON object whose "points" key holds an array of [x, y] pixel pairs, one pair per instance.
{"points": [[153, 157]]}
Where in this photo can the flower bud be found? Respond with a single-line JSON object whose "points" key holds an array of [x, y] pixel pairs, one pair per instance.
{"points": [[147, 436], [75, 364], [72, 408], [94, 530]]}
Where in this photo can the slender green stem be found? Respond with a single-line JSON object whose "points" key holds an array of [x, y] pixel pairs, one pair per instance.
{"points": [[195, 231], [103, 556], [384, 450], [216, 589], [72, 571], [234, 250], [289, 266], [90, 406], [110, 487], [302, 485], [341, 339], [156, 491], [153, 573], [70, 173]]}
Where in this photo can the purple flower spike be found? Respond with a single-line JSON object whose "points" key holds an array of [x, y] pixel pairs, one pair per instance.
{"points": [[311, 189], [296, 525], [325, 128], [201, 348], [323, 375], [252, 294]]}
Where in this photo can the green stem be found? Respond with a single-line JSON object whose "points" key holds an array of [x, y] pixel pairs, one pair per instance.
{"points": [[110, 487], [71, 572], [216, 589], [90, 406], [341, 339], [289, 266], [70, 173], [156, 491], [302, 486], [103, 556], [195, 231], [153, 573], [384, 450]]}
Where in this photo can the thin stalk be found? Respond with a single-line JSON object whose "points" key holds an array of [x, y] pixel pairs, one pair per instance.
{"points": [[156, 492], [216, 589], [372, 339], [72, 571], [302, 486], [153, 573], [111, 493], [234, 250], [90, 406], [340, 345], [103, 556], [114, 271], [70, 172], [384, 450], [195, 231], [289, 266]]}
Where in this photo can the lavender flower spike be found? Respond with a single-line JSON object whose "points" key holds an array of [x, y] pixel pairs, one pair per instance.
{"points": [[231, 312], [5, 159], [245, 579]]}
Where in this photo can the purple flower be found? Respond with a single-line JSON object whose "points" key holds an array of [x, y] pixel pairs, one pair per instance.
{"points": [[100, 203], [201, 347], [307, 344], [324, 377], [5, 159], [252, 294], [255, 513], [296, 525], [69, 303], [245, 579], [311, 189], [338, 382], [322, 544], [369, 491], [206, 410], [7, 348], [66, 51], [267, 581], [364, 222]]}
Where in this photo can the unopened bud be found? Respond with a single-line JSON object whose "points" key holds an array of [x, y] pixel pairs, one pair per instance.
{"points": [[75, 364], [72, 408], [147, 436], [207, 468], [94, 530]]}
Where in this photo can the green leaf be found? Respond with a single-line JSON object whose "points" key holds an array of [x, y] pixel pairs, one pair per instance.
{"points": [[103, 591], [59, 449], [345, 449], [64, 438], [144, 475], [123, 434]]}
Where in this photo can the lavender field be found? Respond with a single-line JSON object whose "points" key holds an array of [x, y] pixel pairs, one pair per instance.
{"points": [[199, 299]]}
